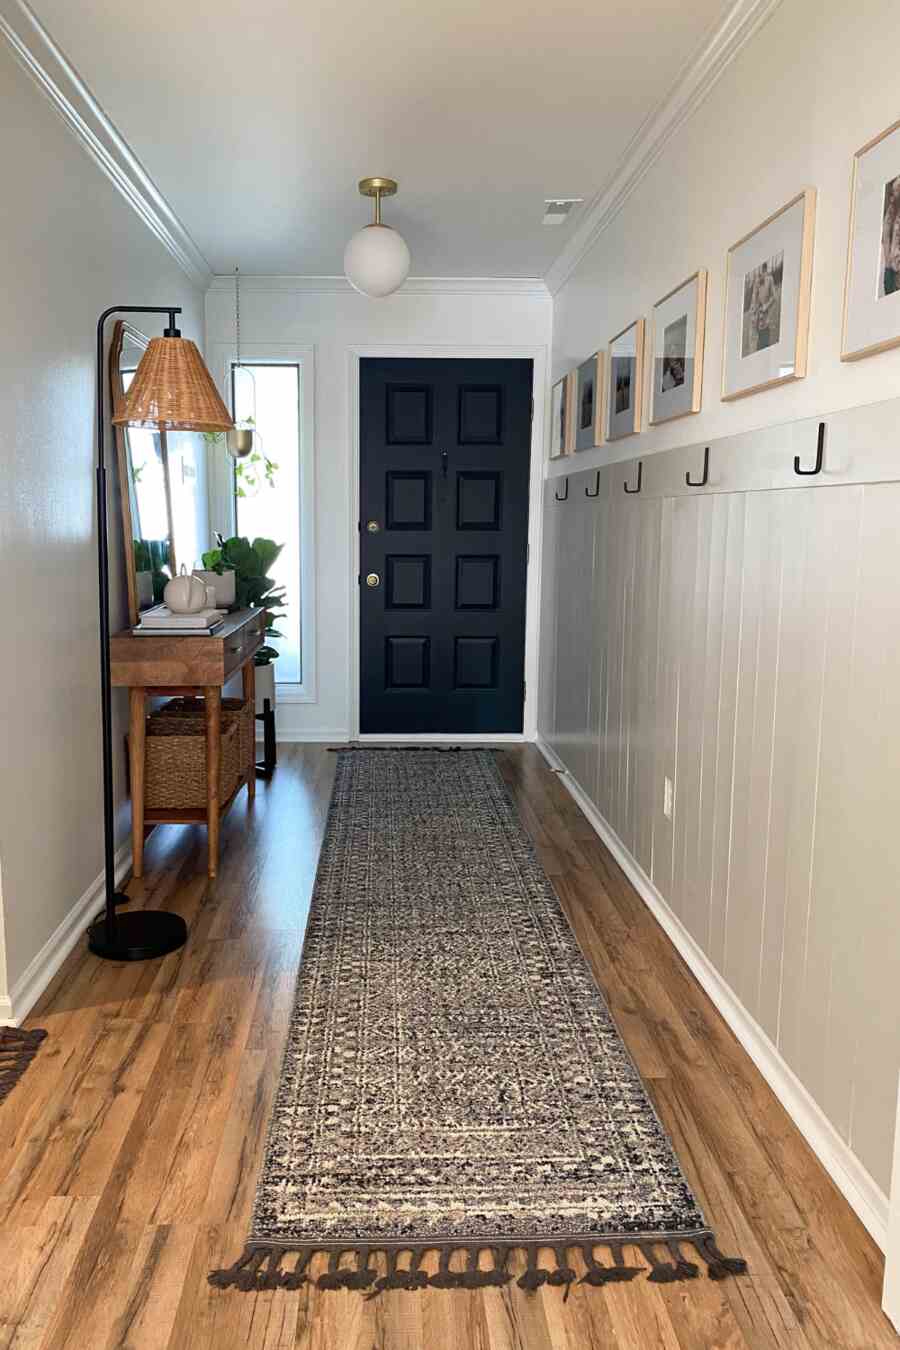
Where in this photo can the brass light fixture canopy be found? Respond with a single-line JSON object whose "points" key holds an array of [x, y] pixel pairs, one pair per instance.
{"points": [[378, 188], [375, 187]]}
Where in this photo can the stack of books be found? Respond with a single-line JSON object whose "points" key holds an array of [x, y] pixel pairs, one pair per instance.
{"points": [[160, 621]]}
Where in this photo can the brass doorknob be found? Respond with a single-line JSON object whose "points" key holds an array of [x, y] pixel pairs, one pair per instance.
{"points": [[372, 526], [373, 579]]}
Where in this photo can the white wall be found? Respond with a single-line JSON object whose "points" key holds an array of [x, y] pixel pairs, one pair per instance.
{"points": [[71, 247], [809, 90], [804, 634], [335, 322]]}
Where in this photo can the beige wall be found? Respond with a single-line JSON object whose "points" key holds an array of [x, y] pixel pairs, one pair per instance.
{"points": [[745, 643], [71, 247]]}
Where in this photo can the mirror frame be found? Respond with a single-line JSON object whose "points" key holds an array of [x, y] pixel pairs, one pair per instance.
{"points": [[121, 330]]}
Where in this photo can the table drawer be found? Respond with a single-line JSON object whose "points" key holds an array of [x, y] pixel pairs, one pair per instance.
{"points": [[240, 646]]}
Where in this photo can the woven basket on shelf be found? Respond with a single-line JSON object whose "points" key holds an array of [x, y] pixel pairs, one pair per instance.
{"points": [[175, 766], [191, 714]]}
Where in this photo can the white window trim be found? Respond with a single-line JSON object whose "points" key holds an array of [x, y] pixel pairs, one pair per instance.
{"points": [[221, 495]]}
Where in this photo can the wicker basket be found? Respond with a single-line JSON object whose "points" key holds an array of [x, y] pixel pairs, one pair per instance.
{"points": [[175, 767], [191, 714]]}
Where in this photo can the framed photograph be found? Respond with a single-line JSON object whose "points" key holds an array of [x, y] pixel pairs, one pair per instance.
{"points": [[677, 333], [624, 382], [768, 280], [589, 403], [872, 286], [561, 417]]}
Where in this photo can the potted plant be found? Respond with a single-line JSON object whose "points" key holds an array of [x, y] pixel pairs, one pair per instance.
{"points": [[254, 589]]}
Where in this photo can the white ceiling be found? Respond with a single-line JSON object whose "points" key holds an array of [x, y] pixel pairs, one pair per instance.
{"points": [[256, 120]]}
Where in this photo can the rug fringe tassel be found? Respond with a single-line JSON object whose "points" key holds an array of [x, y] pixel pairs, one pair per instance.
{"points": [[261, 1267]]}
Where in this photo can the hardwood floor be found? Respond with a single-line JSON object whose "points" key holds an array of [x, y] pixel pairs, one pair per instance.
{"points": [[130, 1149]]}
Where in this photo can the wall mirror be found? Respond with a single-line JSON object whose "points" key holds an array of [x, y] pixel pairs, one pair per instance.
{"points": [[144, 483]]}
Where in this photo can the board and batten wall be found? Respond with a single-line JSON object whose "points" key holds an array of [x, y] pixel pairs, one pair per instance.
{"points": [[72, 247], [744, 641]]}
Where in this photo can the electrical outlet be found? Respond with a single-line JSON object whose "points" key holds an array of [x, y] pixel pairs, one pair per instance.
{"points": [[668, 798]]}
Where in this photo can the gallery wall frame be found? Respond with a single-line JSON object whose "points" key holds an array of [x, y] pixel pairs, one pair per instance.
{"points": [[768, 290], [683, 311], [871, 310], [675, 340], [588, 405], [625, 381], [562, 416]]}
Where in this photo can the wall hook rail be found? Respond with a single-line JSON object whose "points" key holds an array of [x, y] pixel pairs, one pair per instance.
{"points": [[565, 496], [820, 456], [699, 482], [596, 491], [640, 475]]}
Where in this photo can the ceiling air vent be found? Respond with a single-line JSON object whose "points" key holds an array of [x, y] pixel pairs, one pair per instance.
{"points": [[558, 209]]}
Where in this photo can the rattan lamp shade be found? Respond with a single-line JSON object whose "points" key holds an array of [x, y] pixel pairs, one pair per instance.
{"points": [[173, 389]]}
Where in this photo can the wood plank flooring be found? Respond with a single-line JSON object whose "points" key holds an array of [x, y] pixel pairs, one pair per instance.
{"points": [[130, 1149]]}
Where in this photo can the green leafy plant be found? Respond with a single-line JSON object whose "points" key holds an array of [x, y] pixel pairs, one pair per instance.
{"points": [[253, 587], [250, 472]]}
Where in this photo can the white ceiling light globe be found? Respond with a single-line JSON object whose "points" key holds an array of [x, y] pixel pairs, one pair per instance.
{"points": [[376, 261]]}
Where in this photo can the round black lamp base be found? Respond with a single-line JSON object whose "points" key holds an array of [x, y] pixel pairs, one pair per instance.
{"points": [[139, 935]]}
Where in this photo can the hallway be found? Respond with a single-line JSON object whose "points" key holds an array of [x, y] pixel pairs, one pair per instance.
{"points": [[130, 1159]]}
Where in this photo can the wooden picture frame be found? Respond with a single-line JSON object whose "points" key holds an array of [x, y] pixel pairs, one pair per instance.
{"points": [[872, 307], [587, 403], [772, 267], [623, 417], [562, 423], [683, 309]]}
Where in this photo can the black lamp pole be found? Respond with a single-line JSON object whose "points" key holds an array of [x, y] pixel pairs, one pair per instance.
{"points": [[142, 933]]}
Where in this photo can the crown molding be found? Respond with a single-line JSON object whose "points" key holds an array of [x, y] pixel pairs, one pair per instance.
{"points": [[413, 285], [741, 23], [48, 66]]}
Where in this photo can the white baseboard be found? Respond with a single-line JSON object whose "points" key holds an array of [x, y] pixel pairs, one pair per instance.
{"points": [[40, 971], [446, 738], [292, 736], [859, 1189]]}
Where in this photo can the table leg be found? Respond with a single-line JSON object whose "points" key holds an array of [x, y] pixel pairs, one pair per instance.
{"points": [[212, 695], [136, 750], [248, 675]]}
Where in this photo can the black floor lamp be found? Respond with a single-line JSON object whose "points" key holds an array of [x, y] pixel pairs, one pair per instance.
{"points": [[173, 391]]}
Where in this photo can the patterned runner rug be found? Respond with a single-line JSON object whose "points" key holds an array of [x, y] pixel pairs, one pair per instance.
{"points": [[453, 1079]]}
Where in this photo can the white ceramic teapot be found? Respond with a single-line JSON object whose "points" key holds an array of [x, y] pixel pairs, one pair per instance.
{"points": [[185, 594]]}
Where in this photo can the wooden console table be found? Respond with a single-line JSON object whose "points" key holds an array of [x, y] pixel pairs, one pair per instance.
{"points": [[159, 667]]}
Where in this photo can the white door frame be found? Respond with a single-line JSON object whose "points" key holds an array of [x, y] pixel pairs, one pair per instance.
{"points": [[427, 351]]}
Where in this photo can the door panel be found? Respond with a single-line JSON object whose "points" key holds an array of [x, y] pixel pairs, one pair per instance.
{"points": [[444, 477]]}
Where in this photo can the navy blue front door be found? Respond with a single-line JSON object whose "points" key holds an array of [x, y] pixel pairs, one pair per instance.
{"points": [[444, 470]]}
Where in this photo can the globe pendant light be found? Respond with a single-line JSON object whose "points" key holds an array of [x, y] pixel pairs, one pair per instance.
{"points": [[239, 440], [376, 260]]}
